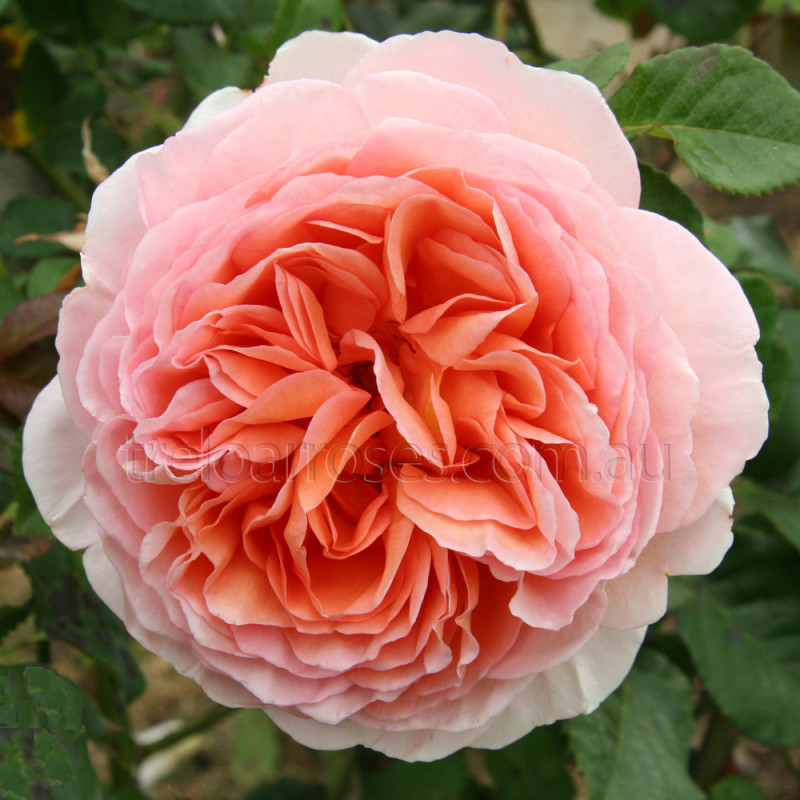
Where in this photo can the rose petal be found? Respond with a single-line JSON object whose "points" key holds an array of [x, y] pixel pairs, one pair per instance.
{"points": [[52, 454], [719, 348], [319, 54], [577, 122], [215, 103]]}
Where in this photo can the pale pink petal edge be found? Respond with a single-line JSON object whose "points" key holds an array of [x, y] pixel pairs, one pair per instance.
{"points": [[575, 687], [319, 54], [114, 226], [52, 454], [578, 121], [215, 103], [640, 596], [107, 584]]}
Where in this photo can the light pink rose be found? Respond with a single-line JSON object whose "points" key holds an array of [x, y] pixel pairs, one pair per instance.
{"points": [[384, 408]]}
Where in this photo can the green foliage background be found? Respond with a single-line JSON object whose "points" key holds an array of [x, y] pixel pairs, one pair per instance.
{"points": [[717, 679]]}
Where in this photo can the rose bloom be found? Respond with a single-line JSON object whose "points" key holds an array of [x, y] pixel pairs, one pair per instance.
{"points": [[384, 408]]}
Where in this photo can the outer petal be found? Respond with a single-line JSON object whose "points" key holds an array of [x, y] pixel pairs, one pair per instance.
{"points": [[107, 583], [556, 109], [114, 227], [228, 149], [216, 102], [640, 596], [319, 54], [52, 452], [104, 578], [731, 420], [698, 548], [576, 687]]}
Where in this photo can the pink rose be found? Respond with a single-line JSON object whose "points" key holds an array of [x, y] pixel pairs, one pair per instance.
{"points": [[384, 408]]}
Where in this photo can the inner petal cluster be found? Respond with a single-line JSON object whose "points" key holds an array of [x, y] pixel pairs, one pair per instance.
{"points": [[389, 404]]}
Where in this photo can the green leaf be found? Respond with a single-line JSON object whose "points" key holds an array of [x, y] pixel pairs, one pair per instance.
{"points": [[16, 771], [6, 487], [619, 9], [256, 41], [702, 21], [662, 195], [205, 65], [782, 450], [636, 744], [762, 249], [257, 12], [437, 15], [532, 767], [45, 718], [398, 780], [776, 361], [10, 296], [376, 20], [660, 639], [287, 789], [381, 20], [56, 19], [45, 275], [80, 20], [9, 435], [679, 593], [763, 299], [743, 631], [772, 350], [732, 117], [38, 697], [84, 96], [256, 748], [736, 788], [11, 616], [779, 6], [782, 511], [38, 88], [600, 68], [28, 214], [68, 610], [182, 12], [296, 16], [66, 766], [721, 241], [113, 21]]}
